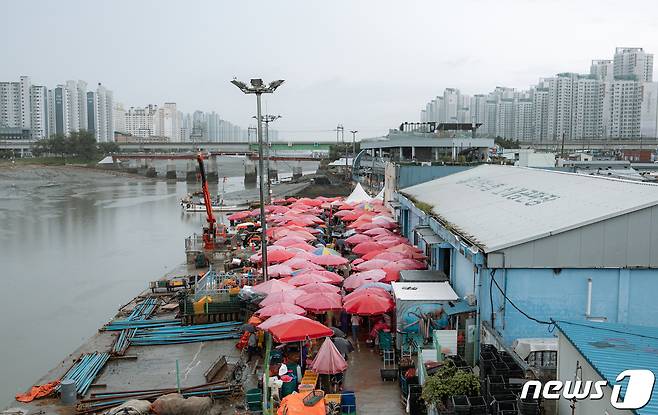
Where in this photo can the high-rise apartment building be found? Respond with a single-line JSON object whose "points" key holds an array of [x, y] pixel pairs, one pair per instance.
{"points": [[39, 112], [587, 111], [602, 69], [622, 108], [15, 103], [649, 110], [633, 62]]}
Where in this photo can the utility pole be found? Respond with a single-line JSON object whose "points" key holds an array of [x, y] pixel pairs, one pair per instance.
{"points": [[354, 142], [258, 87], [267, 119]]}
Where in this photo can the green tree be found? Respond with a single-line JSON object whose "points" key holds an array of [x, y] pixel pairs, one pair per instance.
{"points": [[108, 148]]}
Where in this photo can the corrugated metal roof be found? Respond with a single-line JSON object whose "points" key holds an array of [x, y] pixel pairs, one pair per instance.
{"points": [[612, 348], [501, 206], [424, 291]]}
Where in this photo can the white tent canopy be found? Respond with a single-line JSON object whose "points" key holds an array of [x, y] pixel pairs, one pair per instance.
{"points": [[358, 195], [107, 160], [380, 195]]}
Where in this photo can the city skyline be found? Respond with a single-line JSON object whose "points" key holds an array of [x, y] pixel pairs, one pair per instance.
{"points": [[366, 65]]}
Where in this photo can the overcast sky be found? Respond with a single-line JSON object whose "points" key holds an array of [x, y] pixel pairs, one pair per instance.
{"points": [[366, 64]]}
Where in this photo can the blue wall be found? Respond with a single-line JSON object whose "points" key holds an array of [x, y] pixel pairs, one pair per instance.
{"points": [[620, 295], [411, 175]]}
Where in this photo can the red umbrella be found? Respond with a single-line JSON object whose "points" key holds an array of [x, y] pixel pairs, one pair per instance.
{"points": [[357, 239], [319, 287], [304, 279], [279, 319], [369, 305], [331, 276], [377, 231], [278, 255], [328, 361], [239, 215], [272, 286], [279, 270], [388, 242], [298, 330], [342, 213], [365, 247], [372, 264], [329, 260], [374, 290], [320, 302], [372, 254], [281, 297], [281, 308], [393, 272]]}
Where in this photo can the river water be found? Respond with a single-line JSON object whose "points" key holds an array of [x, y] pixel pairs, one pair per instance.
{"points": [[75, 244]]}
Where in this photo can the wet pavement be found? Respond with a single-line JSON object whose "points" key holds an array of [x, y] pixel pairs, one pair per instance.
{"points": [[373, 395]]}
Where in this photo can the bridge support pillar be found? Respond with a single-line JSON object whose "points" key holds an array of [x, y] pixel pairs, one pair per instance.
{"points": [[250, 172], [170, 172], [190, 175], [150, 168], [297, 172], [131, 166], [212, 174]]}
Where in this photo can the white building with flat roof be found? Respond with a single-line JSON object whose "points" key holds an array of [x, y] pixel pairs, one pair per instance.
{"points": [[633, 62]]}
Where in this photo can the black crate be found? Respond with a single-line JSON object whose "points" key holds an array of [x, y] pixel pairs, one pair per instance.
{"points": [[500, 369], [460, 405], [478, 405]]}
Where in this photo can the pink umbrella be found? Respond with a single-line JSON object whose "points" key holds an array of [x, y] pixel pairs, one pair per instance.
{"points": [[411, 263], [281, 297], [279, 270], [357, 239], [281, 308], [358, 261], [289, 240], [331, 276], [320, 302], [306, 247], [319, 287], [372, 264], [328, 361], [365, 247], [304, 279], [374, 273], [390, 256], [329, 260], [355, 281], [300, 253], [405, 249], [377, 231], [272, 286], [301, 263]]}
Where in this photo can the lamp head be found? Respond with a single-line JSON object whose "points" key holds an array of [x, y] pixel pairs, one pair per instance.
{"points": [[275, 84]]}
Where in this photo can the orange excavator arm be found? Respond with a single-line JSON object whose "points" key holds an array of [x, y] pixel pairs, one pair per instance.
{"points": [[209, 233]]}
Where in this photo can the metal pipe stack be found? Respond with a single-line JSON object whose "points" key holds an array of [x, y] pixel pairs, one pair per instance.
{"points": [[187, 334], [84, 371]]}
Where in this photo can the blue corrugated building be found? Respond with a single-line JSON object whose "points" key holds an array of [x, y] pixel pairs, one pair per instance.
{"points": [[558, 245], [601, 351]]}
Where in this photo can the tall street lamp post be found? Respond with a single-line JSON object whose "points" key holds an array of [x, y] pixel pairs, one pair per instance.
{"points": [[258, 87]]}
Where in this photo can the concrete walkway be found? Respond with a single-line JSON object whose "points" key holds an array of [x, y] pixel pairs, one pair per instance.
{"points": [[373, 396]]}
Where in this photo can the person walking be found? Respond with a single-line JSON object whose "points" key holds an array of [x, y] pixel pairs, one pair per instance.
{"points": [[356, 322]]}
